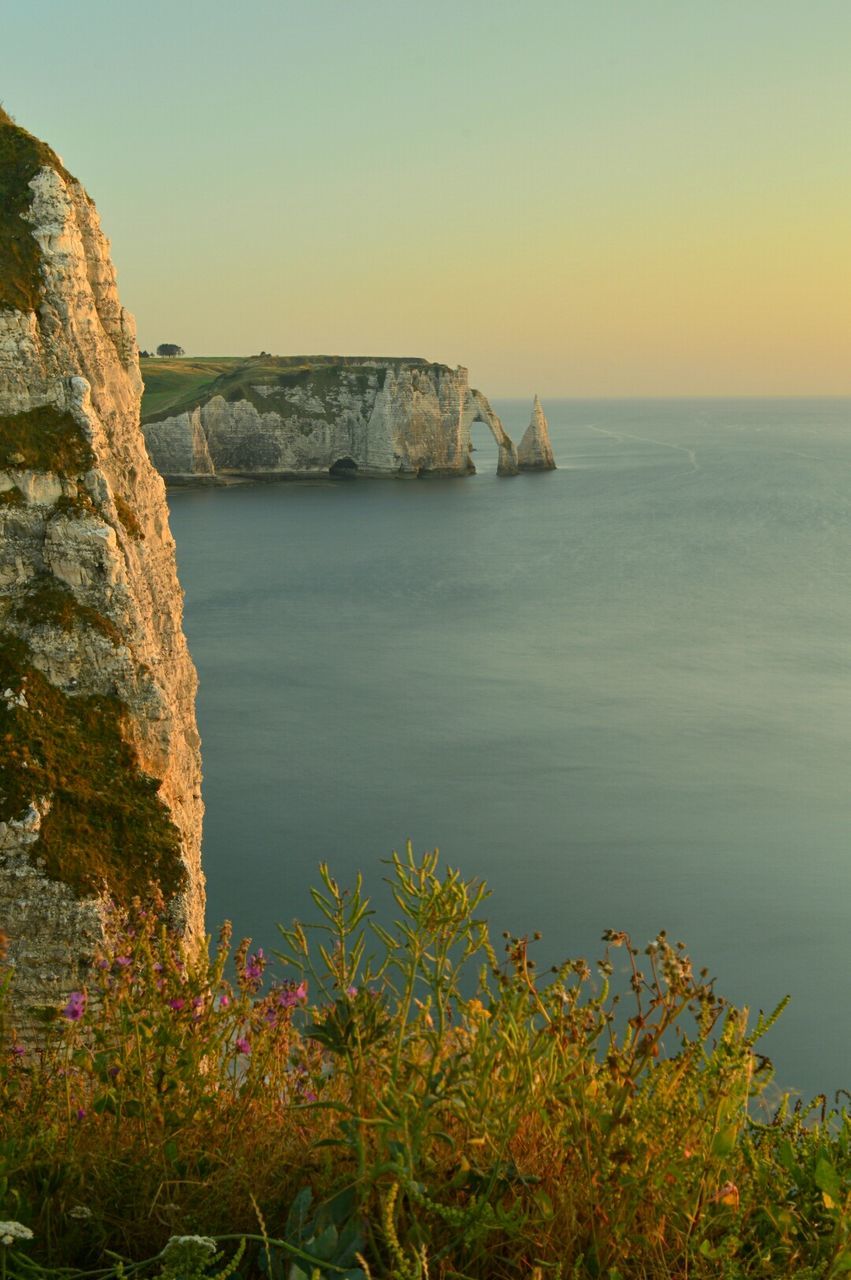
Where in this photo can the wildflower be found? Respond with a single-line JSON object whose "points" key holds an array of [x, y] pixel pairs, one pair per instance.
{"points": [[76, 1006], [176, 1004], [254, 966], [81, 1211], [224, 1001], [729, 1195], [310, 1096], [242, 1045], [81, 1113], [123, 961], [188, 1252], [292, 996], [351, 992], [18, 1050], [12, 1231]]}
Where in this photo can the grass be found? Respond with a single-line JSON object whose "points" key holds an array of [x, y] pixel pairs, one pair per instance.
{"points": [[403, 1102], [44, 439], [128, 518], [49, 602], [177, 386], [21, 157], [106, 824], [172, 383]]}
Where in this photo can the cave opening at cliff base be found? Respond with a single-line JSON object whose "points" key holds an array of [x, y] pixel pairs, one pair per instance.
{"points": [[343, 467]]}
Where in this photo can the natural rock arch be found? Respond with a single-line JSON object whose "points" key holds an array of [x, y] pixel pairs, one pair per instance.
{"points": [[477, 409]]}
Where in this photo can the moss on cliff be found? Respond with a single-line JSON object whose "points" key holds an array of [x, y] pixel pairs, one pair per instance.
{"points": [[106, 822], [49, 602], [128, 518], [44, 439], [21, 157]]}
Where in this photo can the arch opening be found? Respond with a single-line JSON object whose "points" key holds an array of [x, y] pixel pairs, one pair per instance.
{"points": [[484, 447]]}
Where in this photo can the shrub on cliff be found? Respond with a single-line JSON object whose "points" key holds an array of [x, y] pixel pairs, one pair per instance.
{"points": [[405, 1103]]}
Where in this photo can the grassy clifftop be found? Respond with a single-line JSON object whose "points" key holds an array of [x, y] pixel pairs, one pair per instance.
{"points": [[176, 386]]}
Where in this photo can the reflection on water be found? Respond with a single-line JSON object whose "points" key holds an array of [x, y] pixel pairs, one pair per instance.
{"points": [[618, 691]]}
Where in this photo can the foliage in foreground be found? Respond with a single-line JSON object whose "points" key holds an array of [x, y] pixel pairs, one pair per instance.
{"points": [[405, 1104]]}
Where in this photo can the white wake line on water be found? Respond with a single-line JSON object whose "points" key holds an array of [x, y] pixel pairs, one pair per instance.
{"points": [[796, 453], [660, 444]]}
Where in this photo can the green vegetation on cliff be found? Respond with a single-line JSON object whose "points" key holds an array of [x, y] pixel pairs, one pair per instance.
{"points": [[48, 602], [44, 439], [171, 385], [21, 157], [398, 1102], [178, 386], [106, 824]]}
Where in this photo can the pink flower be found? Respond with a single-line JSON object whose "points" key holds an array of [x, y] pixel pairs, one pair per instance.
{"points": [[242, 1045], [76, 1006], [253, 971], [176, 1004], [224, 1001], [290, 997]]}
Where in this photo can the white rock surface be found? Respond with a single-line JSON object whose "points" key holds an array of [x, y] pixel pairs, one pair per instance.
{"points": [[375, 417], [535, 452], [77, 353]]}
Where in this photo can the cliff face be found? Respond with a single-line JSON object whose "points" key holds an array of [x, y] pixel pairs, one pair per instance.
{"points": [[321, 415], [100, 778]]}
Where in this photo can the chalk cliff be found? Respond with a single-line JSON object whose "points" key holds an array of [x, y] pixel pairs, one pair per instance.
{"points": [[536, 452], [100, 768], [311, 416]]}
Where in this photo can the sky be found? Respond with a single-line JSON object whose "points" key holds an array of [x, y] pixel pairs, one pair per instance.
{"points": [[595, 198]]}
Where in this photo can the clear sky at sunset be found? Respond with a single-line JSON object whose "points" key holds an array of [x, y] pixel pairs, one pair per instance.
{"points": [[613, 197]]}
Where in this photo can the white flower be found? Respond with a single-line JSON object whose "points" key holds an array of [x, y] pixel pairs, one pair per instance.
{"points": [[189, 1249], [80, 1211], [12, 1231]]}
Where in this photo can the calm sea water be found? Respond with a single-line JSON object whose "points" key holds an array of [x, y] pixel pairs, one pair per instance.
{"points": [[619, 692]]}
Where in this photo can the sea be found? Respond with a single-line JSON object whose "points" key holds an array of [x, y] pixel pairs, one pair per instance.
{"points": [[619, 692]]}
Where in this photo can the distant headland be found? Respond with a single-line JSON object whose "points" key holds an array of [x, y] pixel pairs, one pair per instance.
{"points": [[211, 419]]}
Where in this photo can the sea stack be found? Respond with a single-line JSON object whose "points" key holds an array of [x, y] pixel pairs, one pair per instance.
{"points": [[535, 452], [100, 768]]}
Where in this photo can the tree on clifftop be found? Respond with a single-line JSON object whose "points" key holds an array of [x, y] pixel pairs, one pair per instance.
{"points": [[170, 349]]}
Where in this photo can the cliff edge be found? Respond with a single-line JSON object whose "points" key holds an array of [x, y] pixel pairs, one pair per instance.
{"points": [[100, 770]]}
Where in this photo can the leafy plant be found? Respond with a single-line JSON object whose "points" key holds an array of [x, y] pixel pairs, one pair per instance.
{"points": [[398, 1100]]}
